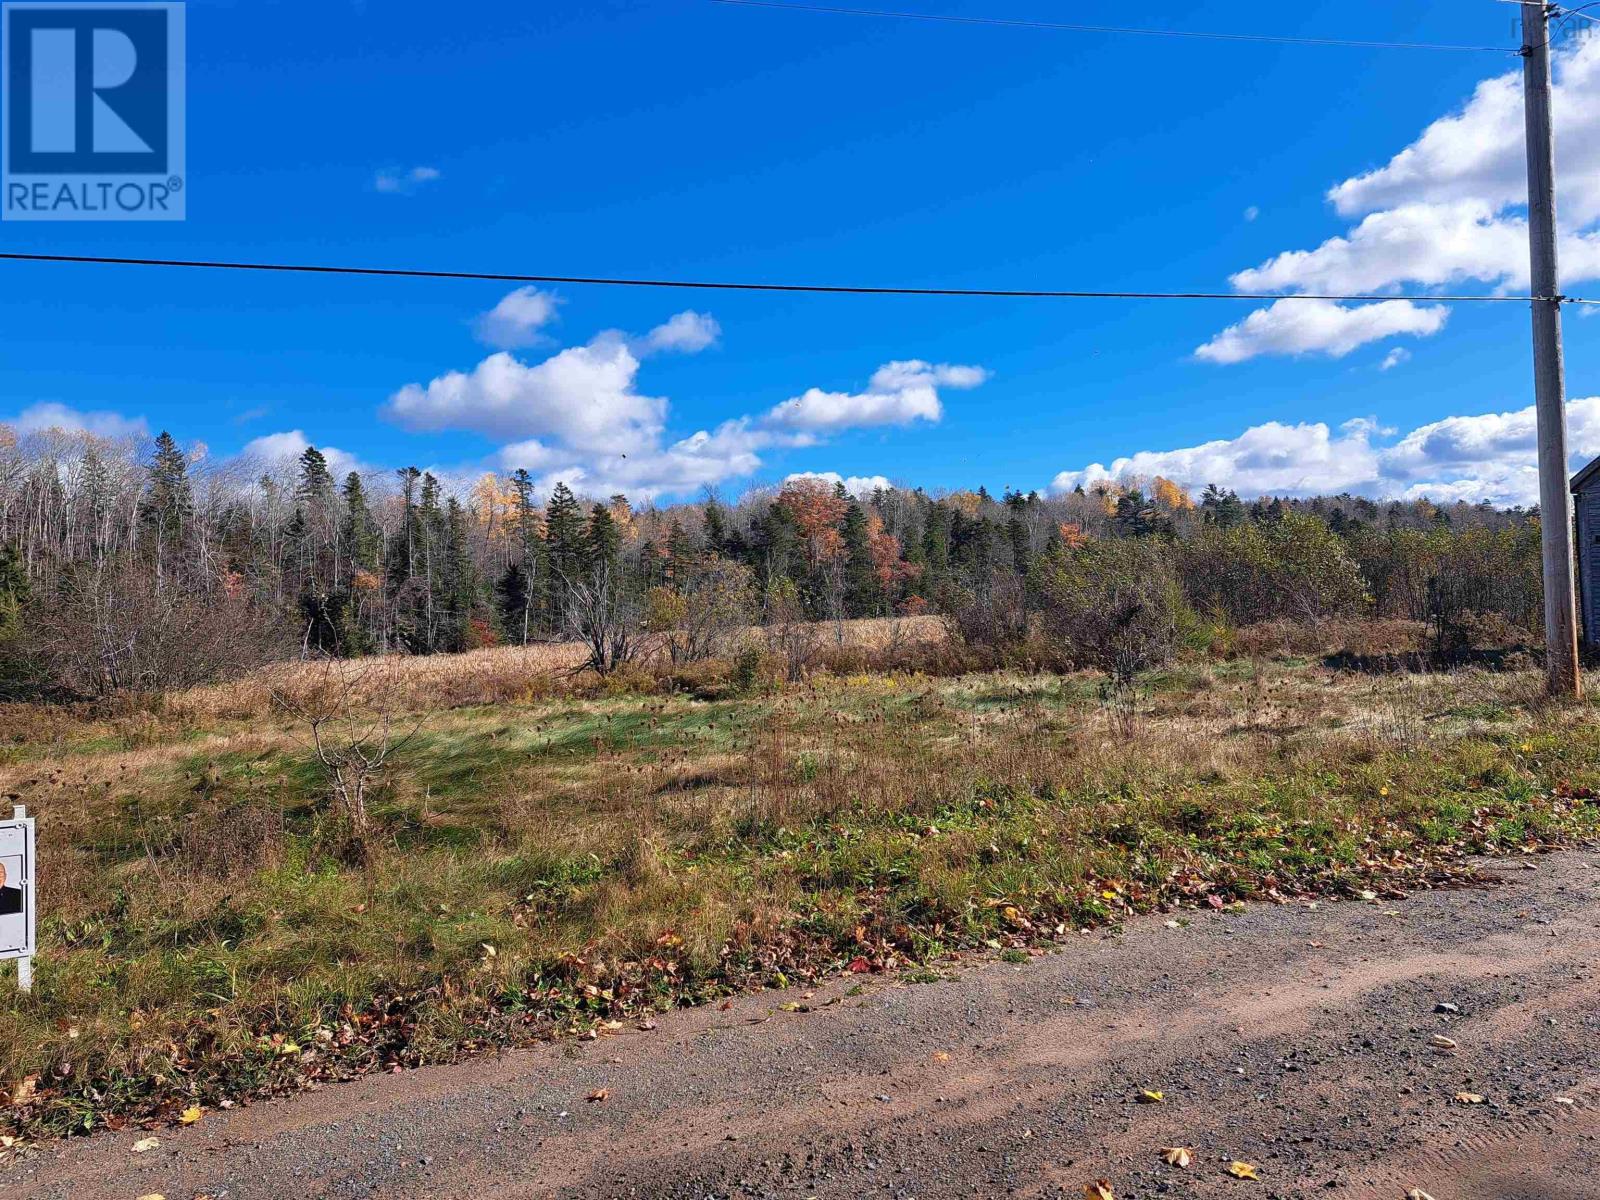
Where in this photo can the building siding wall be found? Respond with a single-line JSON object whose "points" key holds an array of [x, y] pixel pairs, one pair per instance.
{"points": [[1588, 507]]}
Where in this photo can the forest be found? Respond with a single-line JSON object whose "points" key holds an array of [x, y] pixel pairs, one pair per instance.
{"points": [[140, 566]]}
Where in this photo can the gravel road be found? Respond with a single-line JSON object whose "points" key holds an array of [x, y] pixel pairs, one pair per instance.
{"points": [[1298, 1039]]}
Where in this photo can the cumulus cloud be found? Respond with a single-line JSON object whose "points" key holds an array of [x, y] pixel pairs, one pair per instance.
{"points": [[1274, 458], [688, 332], [275, 451], [1488, 456], [859, 486], [584, 396], [1320, 327], [51, 415], [1477, 153], [1446, 210], [517, 320], [899, 393], [580, 417], [397, 182]]}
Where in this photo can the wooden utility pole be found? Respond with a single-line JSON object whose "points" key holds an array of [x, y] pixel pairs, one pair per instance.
{"points": [[1549, 374]]}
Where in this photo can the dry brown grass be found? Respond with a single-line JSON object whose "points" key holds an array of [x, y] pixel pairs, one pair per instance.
{"points": [[498, 675], [194, 896]]}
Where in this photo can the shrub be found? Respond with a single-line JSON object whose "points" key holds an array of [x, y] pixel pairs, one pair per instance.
{"points": [[1294, 567], [1115, 605]]}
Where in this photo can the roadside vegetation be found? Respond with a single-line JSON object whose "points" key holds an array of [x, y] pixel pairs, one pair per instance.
{"points": [[548, 853], [336, 779]]}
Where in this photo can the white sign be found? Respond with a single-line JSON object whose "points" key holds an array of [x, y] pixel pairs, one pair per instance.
{"points": [[18, 914]]}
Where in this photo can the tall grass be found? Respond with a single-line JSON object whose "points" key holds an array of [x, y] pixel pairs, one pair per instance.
{"points": [[553, 853]]}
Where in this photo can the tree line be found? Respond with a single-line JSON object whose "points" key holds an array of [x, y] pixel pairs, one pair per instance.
{"points": [[142, 564]]}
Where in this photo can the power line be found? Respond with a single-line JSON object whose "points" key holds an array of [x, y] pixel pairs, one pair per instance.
{"points": [[733, 286], [1019, 23]]}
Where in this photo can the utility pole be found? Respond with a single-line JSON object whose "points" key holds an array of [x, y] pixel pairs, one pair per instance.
{"points": [[1549, 375]]}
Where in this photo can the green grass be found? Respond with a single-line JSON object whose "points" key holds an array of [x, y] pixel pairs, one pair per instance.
{"points": [[548, 864]]}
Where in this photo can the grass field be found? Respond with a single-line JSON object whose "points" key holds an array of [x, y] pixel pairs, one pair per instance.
{"points": [[553, 853]]}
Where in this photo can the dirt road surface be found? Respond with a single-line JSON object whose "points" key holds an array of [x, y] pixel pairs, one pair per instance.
{"points": [[1297, 1039]]}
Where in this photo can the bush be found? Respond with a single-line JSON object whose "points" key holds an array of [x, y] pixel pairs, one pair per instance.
{"points": [[1294, 567], [1115, 605]]}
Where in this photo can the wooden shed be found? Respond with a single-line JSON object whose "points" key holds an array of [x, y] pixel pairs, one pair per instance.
{"points": [[1586, 502]]}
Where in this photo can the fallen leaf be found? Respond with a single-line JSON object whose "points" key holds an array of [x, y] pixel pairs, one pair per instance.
{"points": [[1564, 1100], [1148, 1097], [1242, 1170], [1468, 1098], [1177, 1156], [646, 1026], [941, 1056], [189, 1115], [1417, 1194], [599, 1094], [24, 1090], [1439, 1042], [1100, 1189], [145, 1145], [152, 1196], [725, 1006]]}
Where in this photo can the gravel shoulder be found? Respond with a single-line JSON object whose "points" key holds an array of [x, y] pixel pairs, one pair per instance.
{"points": [[1295, 1038]]}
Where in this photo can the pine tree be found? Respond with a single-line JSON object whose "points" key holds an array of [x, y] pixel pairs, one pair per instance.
{"points": [[531, 565], [602, 542], [363, 542], [863, 596], [715, 525], [167, 509], [563, 542]]}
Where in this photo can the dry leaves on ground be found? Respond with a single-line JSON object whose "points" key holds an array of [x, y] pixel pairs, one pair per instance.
{"points": [[1242, 1170], [1100, 1189], [1468, 1098], [1177, 1156]]}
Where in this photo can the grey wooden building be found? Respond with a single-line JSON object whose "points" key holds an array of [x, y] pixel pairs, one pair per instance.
{"points": [[1586, 502]]}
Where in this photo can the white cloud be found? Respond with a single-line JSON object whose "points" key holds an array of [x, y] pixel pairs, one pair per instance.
{"points": [[275, 451], [1251, 213], [1477, 152], [1394, 358], [1427, 244], [396, 182], [584, 397], [1319, 327], [1446, 211], [859, 486], [578, 416], [688, 332], [1273, 458], [517, 319], [899, 393], [51, 415], [1489, 456]]}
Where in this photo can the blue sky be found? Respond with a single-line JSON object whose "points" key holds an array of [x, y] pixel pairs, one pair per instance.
{"points": [[686, 138]]}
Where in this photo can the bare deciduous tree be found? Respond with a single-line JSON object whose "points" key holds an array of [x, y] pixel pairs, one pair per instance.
{"points": [[352, 722]]}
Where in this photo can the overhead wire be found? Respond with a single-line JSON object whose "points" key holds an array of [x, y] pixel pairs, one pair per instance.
{"points": [[747, 286]]}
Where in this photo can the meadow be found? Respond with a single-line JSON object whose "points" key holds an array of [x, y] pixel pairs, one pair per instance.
{"points": [[551, 854]]}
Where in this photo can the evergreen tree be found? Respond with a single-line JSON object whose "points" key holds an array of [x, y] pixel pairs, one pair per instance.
{"points": [[363, 542], [167, 508], [863, 595], [602, 542], [715, 524]]}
